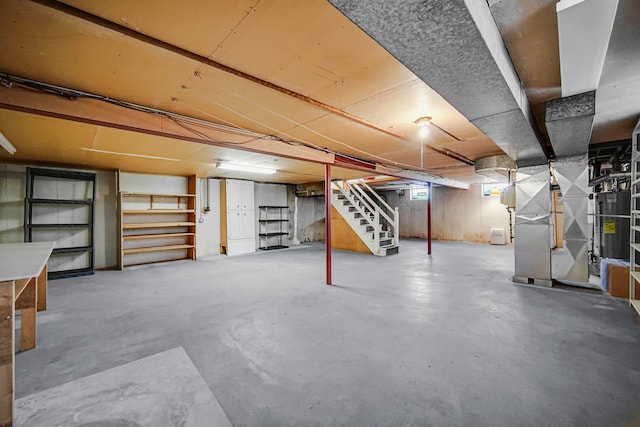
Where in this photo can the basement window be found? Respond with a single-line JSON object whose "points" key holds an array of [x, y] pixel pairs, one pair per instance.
{"points": [[419, 193], [493, 189]]}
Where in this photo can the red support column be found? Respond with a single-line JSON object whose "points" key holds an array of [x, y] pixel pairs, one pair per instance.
{"points": [[429, 220], [327, 216]]}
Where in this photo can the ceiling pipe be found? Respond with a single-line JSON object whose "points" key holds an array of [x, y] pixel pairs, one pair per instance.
{"points": [[105, 23], [453, 155], [609, 177]]}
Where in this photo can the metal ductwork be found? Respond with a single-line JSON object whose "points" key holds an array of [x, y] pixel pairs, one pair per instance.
{"points": [[569, 122], [427, 35], [571, 261], [533, 226], [495, 167]]}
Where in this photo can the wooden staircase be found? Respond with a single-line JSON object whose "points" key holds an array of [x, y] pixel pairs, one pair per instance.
{"points": [[370, 217]]}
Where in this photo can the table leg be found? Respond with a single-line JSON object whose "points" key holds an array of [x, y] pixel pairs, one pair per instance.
{"points": [[42, 289], [27, 303], [7, 338]]}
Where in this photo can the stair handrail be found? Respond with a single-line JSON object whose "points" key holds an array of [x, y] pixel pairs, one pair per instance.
{"points": [[380, 199], [362, 203], [376, 229], [396, 214], [375, 207], [357, 192], [351, 199]]}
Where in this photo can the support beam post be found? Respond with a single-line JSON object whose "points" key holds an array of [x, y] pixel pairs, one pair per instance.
{"points": [[327, 222], [429, 219]]}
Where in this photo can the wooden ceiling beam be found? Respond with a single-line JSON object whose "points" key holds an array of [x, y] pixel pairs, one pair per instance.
{"points": [[99, 113], [105, 23]]}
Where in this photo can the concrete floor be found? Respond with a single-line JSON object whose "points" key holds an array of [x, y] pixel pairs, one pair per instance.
{"points": [[402, 340]]}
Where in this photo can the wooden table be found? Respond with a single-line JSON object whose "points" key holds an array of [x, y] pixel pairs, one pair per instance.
{"points": [[23, 286]]}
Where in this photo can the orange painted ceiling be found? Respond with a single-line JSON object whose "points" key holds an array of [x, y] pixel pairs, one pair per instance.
{"points": [[305, 47], [294, 76]]}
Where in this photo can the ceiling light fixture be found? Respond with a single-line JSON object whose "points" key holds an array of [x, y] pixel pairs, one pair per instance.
{"points": [[245, 168], [423, 121], [4, 142]]}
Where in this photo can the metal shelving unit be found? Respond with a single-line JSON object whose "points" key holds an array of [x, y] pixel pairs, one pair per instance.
{"points": [[82, 185], [273, 221], [634, 234]]}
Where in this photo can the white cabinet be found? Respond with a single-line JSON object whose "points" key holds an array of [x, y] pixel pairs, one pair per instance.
{"points": [[240, 224], [237, 217], [239, 195]]}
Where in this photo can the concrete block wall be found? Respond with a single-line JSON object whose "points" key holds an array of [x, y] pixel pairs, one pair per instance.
{"points": [[311, 221]]}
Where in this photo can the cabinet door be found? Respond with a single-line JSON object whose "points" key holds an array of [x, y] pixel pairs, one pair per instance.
{"points": [[235, 225], [241, 225], [248, 225], [234, 194], [247, 195]]}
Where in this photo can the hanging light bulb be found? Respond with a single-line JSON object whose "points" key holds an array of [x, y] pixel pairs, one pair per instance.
{"points": [[422, 123]]}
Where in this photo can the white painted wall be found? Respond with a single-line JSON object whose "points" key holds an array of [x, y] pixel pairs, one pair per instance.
{"points": [[12, 194], [106, 220], [146, 183], [208, 225]]}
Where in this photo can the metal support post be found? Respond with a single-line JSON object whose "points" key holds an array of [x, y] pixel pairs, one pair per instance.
{"points": [[429, 219], [327, 215]]}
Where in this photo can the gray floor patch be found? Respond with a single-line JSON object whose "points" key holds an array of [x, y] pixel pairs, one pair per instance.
{"points": [[165, 389]]}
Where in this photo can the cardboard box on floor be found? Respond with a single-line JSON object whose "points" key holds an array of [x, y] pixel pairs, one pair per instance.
{"points": [[618, 279]]}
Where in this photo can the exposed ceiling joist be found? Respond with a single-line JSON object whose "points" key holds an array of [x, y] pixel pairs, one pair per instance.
{"points": [[80, 14], [104, 114]]}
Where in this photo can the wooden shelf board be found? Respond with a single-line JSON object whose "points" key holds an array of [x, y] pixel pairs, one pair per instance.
{"points": [[156, 225], [155, 249], [158, 211], [154, 262], [155, 236]]}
